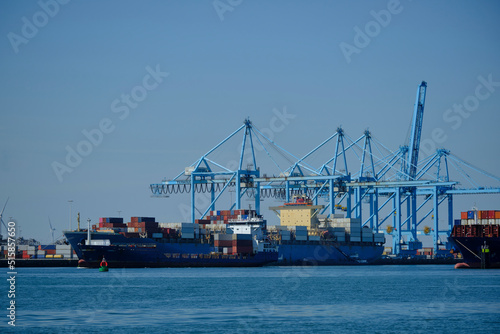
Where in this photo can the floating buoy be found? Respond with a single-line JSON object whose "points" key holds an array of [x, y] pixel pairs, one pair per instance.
{"points": [[104, 265]]}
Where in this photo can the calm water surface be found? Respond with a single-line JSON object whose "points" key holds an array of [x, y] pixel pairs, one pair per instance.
{"points": [[363, 299]]}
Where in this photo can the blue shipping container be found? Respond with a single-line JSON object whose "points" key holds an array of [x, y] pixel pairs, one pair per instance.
{"points": [[470, 214]]}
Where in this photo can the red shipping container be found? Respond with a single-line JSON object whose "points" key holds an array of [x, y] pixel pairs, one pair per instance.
{"points": [[491, 214], [463, 215]]}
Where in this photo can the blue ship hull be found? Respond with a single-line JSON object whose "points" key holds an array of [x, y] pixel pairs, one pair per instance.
{"points": [[146, 252], [315, 253], [470, 248]]}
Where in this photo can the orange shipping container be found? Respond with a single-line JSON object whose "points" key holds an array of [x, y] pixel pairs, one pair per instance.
{"points": [[497, 214]]}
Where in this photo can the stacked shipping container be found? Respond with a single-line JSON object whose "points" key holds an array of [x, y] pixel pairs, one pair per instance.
{"points": [[484, 217]]}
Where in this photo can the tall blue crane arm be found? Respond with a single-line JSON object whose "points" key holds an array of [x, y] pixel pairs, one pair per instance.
{"points": [[416, 130]]}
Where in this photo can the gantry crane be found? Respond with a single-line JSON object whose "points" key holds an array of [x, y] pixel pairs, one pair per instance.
{"points": [[378, 182]]}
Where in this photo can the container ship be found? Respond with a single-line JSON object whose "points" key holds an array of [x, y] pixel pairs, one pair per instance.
{"points": [[143, 242], [304, 236], [229, 238], [476, 236]]}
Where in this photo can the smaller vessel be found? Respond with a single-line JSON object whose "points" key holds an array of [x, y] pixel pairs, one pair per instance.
{"points": [[103, 265]]}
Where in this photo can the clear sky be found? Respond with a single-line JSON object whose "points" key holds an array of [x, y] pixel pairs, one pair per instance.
{"points": [[164, 81]]}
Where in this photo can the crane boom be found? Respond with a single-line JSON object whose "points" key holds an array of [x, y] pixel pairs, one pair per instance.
{"points": [[416, 130]]}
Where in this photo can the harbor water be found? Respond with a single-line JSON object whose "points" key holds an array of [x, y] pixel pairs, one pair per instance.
{"points": [[338, 299]]}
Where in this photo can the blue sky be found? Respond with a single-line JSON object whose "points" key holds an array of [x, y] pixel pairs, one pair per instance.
{"points": [[225, 63]]}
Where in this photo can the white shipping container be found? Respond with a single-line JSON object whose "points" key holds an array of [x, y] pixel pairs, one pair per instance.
{"points": [[99, 242], [285, 237], [61, 247]]}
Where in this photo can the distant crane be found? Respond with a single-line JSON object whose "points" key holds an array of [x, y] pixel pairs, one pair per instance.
{"points": [[51, 230], [1, 219]]}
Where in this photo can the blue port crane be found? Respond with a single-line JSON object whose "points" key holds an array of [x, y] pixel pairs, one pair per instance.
{"points": [[409, 170], [416, 189]]}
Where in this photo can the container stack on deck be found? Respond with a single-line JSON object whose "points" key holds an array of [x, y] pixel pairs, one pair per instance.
{"points": [[137, 227], [477, 224], [225, 216], [485, 217], [233, 243]]}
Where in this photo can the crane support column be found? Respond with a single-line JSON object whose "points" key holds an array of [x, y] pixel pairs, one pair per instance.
{"points": [[193, 203], [396, 241], [435, 235]]}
